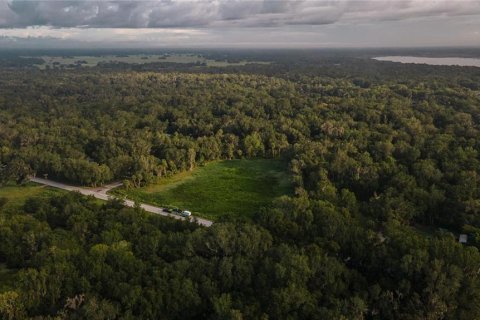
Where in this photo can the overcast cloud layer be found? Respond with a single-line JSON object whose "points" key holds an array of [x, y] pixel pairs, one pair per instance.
{"points": [[218, 13], [170, 21]]}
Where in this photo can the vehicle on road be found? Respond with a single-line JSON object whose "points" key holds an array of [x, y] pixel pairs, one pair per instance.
{"points": [[186, 213], [129, 203]]}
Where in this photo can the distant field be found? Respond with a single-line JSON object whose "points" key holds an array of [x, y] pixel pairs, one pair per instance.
{"points": [[234, 187], [16, 195], [92, 61]]}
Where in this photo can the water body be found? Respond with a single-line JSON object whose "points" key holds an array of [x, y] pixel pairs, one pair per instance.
{"points": [[448, 61]]}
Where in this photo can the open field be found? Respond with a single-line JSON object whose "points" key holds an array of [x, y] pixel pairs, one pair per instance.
{"points": [[234, 187], [16, 195], [92, 61]]}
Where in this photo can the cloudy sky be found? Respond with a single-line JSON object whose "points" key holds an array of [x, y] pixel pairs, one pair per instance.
{"points": [[239, 23]]}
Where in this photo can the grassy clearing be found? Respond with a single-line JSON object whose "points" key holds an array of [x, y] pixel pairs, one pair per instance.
{"points": [[16, 195], [234, 187]]}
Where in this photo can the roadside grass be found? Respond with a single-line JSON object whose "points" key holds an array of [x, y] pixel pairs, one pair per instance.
{"points": [[221, 188], [16, 195]]}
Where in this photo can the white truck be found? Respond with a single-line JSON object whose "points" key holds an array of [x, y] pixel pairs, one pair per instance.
{"points": [[186, 214]]}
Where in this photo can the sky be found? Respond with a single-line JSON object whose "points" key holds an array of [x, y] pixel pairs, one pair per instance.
{"points": [[239, 23]]}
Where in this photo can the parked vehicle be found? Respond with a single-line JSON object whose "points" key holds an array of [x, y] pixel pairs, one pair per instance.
{"points": [[180, 212]]}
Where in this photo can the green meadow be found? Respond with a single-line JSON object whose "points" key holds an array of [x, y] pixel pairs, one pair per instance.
{"points": [[233, 187], [16, 195]]}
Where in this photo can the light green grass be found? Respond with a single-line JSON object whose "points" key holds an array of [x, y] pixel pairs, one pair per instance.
{"points": [[234, 187], [16, 195]]}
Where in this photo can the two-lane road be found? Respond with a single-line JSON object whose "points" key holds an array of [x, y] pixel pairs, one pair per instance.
{"points": [[101, 193]]}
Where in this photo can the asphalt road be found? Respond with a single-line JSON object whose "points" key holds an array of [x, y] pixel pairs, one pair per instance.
{"points": [[101, 193]]}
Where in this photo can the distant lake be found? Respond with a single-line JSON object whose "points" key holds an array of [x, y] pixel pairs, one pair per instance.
{"points": [[448, 61]]}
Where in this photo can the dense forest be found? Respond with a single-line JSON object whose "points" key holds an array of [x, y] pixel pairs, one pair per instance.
{"points": [[384, 158]]}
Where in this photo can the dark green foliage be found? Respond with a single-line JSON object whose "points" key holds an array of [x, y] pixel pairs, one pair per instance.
{"points": [[76, 258], [386, 169], [413, 156]]}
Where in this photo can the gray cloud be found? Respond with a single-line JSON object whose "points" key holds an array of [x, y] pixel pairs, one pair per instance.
{"points": [[221, 13]]}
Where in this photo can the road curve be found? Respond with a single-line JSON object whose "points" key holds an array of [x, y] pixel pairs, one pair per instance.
{"points": [[101, 193]]}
